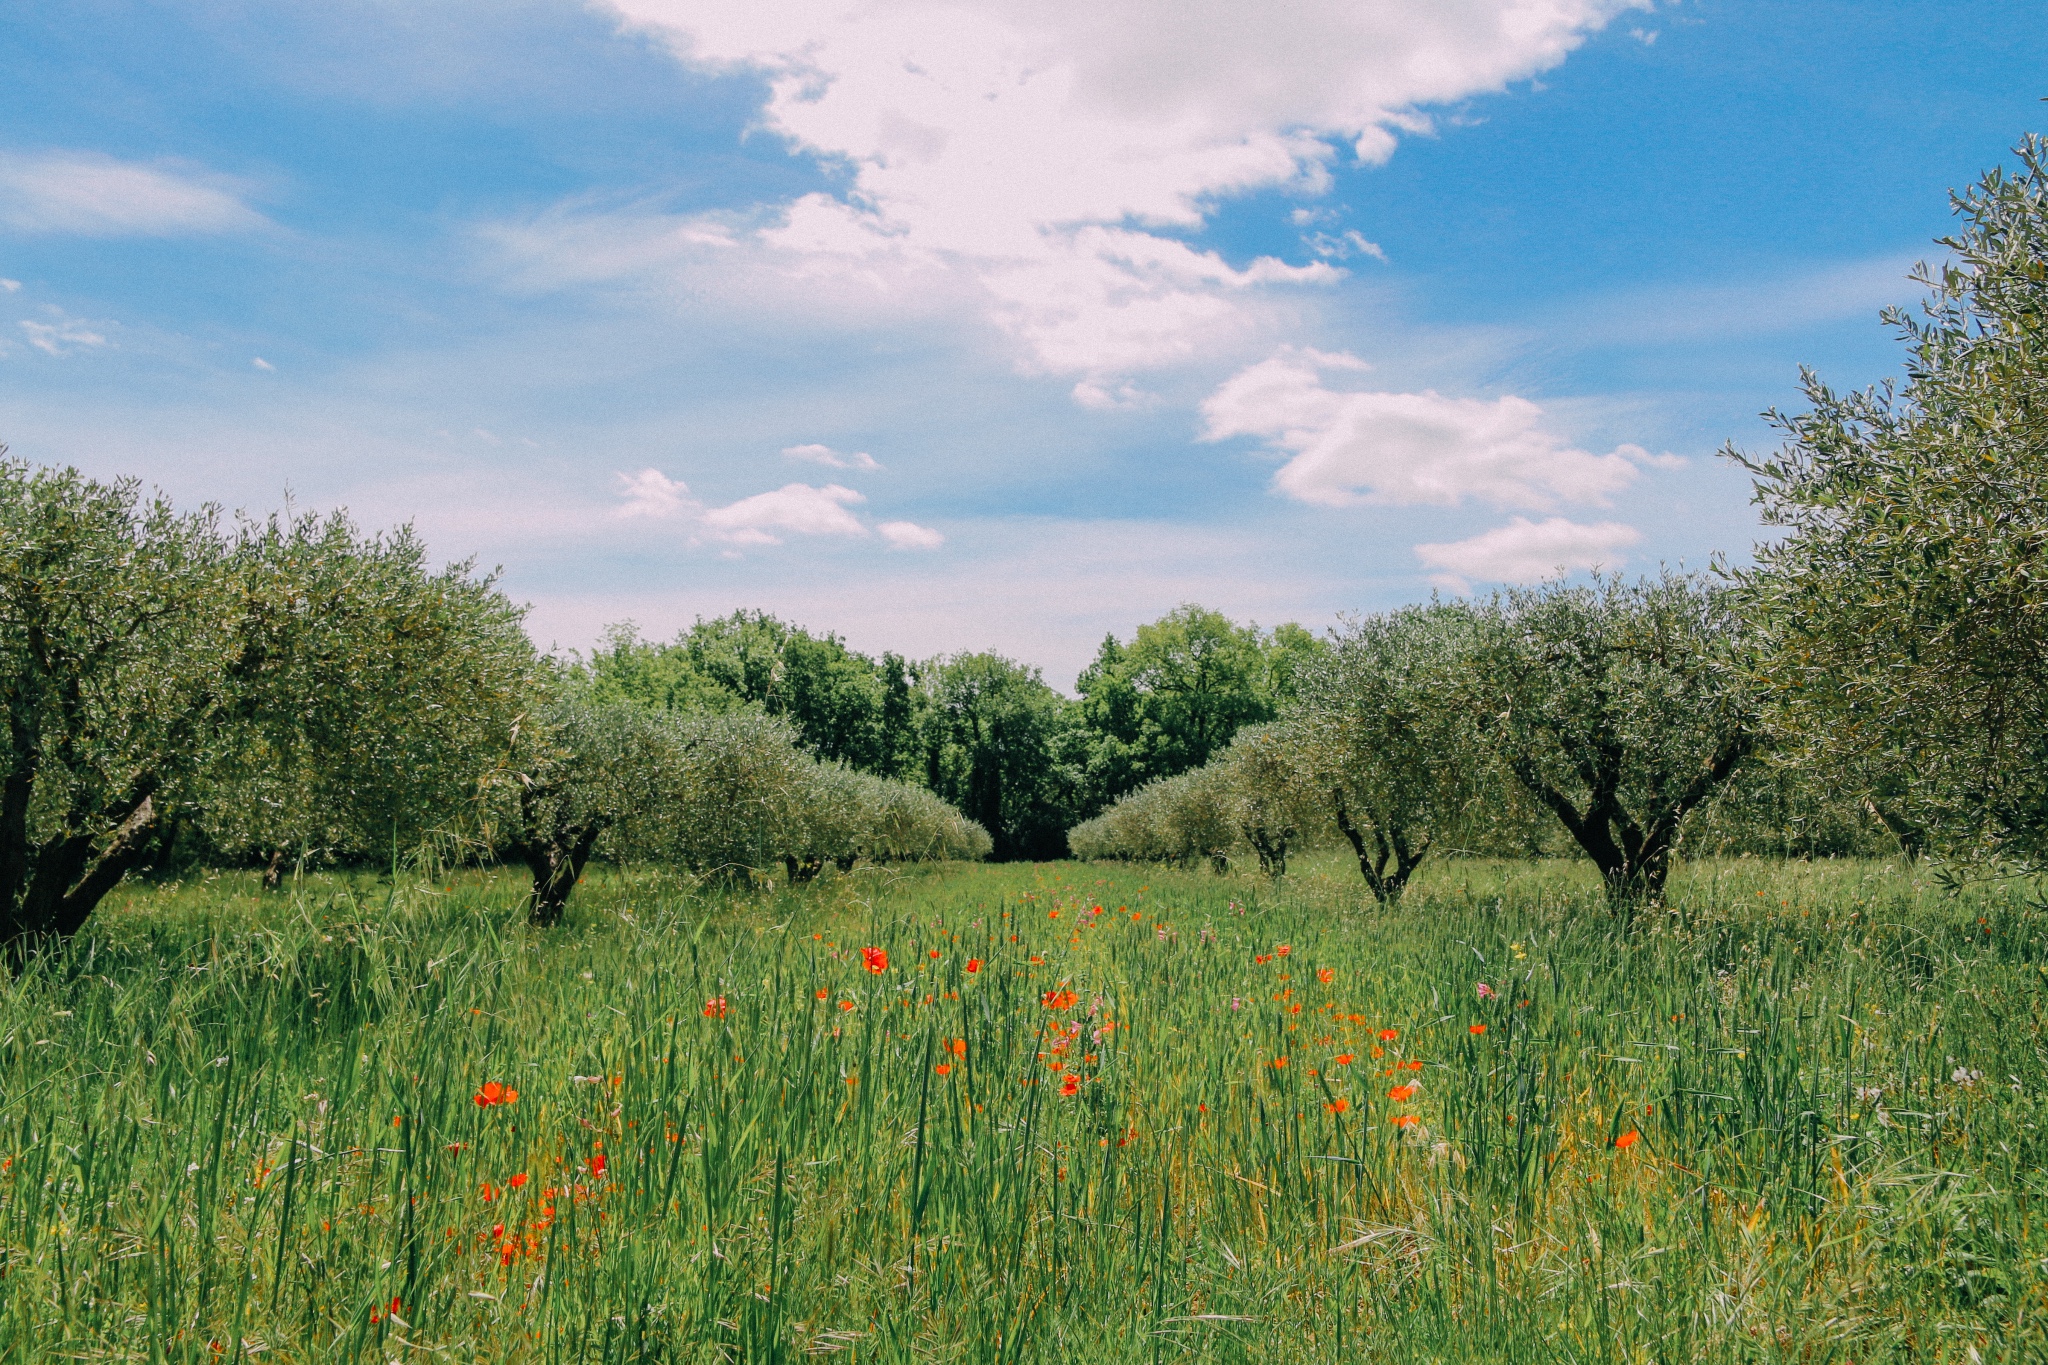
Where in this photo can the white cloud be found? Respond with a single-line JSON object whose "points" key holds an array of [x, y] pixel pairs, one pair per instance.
{"points": [[63, 336], [1525, 551], [1030, 153], [1354, 446], [260, 363], [908, 535], [96, 196], [11, 286], [793, 509], [830, 458], [651, 493]]}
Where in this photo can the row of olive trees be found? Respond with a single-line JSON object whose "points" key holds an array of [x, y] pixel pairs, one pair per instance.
{"points": [[291, 688], [1618, 708], [724, 794]]}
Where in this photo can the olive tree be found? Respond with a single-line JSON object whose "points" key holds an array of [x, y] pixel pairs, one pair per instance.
{"points": [[1270, 792], [1390, 746], [1620, 706], [282, 680], [1904, 649]]}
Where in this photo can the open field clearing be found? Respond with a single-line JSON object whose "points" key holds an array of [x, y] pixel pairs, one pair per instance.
{"points": [[1081, 1112]]}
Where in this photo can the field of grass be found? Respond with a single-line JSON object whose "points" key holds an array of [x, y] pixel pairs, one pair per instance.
{"points": [[1085, 1113]]}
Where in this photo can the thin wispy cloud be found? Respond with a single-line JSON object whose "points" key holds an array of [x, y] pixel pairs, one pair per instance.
{"points": [[830, 458], [1525, 551], [91, 194]]}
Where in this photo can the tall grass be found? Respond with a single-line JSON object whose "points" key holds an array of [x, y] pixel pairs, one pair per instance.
{"points": [[246, 1128]]}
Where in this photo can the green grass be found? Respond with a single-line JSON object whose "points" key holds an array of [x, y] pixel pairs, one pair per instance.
{"points": [[239, 1127]]}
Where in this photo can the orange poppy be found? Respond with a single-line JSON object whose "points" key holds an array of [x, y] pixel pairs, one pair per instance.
{"points": [[597, 1164], [1401, 1094], [1476, 1030], [1628, 1139], [1338, 1106], [1388, 1035], [935, 952], [944, 1068], [823, 993], [1060, 1000], [517, 1181], [973, 964], [1326, 975], [1343, 1059], [1071, 1085], [1405, 1120], [875, 959], [495, 1092], [1411, 1066], [714, 1008], [1283, 950], [846, 1004]]}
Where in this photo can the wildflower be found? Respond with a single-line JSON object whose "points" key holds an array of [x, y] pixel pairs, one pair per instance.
{"points": [[944, 1068], [1414, 1064], [1071, 1085], [822, 993], [958, 1047], [846, 1004], [597, 1164], [1326, 975], [1405, 1120], [517, 1181], [495, 1092], [1344, 1059], [1627, 1140], [1037, 961], [1338, 1106], [1379, 1052], [935, 954], [876, 960], [1060, 1000], [1278, 1062], [1388, 1035], [1261, 959], [973, 964], [1485, 991], [497, 1231], [1283, 949], [1401, 1094], [1294, 1009], [1476, 1030], [714, 1008]]}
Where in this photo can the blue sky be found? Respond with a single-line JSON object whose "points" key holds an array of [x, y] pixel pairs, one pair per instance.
{"points": [[956, 326]]}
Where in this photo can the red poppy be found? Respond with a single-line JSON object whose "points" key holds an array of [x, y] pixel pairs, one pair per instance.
{"points": [[495, 1092], [1405, 1120], [1071, 1085], [1412, 1065], [958, 1047], [1476, 1030], [823, 993], [1326, 975], [1037, 961], [597, 1164], [714, 1008], [1401, 1094], [846, 1004], [1338, 1106], [1343, 1059], [1060, 1000], [1388, 1035], [935, 952], [875, 959], [944, 1068], [1284, 949], [517, 1181], [973, 964], [1278, 1062], [1628, 1139]]}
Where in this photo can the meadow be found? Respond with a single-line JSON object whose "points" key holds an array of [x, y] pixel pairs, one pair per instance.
{"points": [[1021, 1112]]}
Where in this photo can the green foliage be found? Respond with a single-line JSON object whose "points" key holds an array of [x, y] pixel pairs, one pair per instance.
{"points": [[1382, 724], [1175, 695], [844, 706], [1619, 707], [1905, 652], [287, 685], [989, 727]]}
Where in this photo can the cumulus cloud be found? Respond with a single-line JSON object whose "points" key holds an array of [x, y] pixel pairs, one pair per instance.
{"points": [[1351, 446], [830, 458], [93, 195], [793, 509], [1525, 551], [908, 535], [1032, 152]]}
